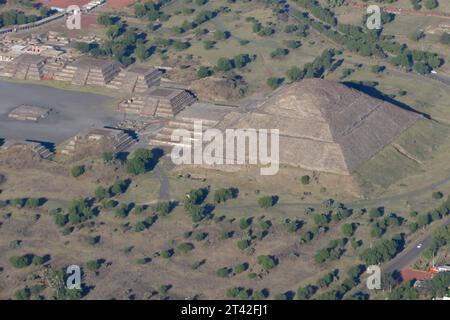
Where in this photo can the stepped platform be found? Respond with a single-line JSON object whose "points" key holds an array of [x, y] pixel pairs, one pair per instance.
{"points": [[36, 147], [89, 71], [157, 102], [136, 79], [209, 115], [29, 113], [98, 140], [25, 67]]}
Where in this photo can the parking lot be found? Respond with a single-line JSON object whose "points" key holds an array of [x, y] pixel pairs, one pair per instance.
{"points": [[71, 112]]}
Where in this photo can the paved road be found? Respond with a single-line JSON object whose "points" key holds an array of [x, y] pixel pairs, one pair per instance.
{"points": [[410, 254], [407, 257], [440, 77]]}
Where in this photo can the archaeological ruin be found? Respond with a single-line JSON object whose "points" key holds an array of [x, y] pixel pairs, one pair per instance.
{"points": [[160, 102], [24, 67], [136, 79], [323, 125], [89, 71], [97, 140], [29, 113]]}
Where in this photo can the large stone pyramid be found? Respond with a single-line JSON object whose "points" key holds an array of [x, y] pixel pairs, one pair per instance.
{"points": [[325, 125]]}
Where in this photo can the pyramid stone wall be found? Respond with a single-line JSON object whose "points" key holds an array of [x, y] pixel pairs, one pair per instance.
{"points": [[89, 71], [25, 67], [325, 125], [136, 79]]}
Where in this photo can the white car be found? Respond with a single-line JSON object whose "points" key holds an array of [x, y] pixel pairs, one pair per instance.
{"points": [[419, 246], [433, 72]]}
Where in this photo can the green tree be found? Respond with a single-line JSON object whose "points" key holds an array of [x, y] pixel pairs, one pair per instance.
{"points": [[267, 201], [141, 51], [77, 171], [305, 179], [204, 72], [274, 82], [224, 64], [348, 229], [267, 262], [431, 4]]}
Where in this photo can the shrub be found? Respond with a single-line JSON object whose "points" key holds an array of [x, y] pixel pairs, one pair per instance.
{"points": [[142, 161], [140, 226], [101, 193], [92, 240], [266, 224], [377, 68], [293, 44], [21, 261], [305, 180], [168, 253], [22, 294], [204, 72], [77, 171], [201, 236], [122, 211], [107, 157], [32, 203], [61, 219], [225, 235], [241, 267], [119, 187], [267, 201], [267, 262], [233, 292], [197, 264], [37, 260], [243, 244], [376, 212], [348, 229], [208, 44], [163, 208], [437, 195], [274, 82], [93, 265], [244, 223], [224, 194], [185, 247], [223, 272], [165, 288]]}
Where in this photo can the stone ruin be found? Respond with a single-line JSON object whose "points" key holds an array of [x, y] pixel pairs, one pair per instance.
{"points": [[97, 140], [35, 147], [25, 67], [160, 102], [29, 113], [136, 79], [89, 71], [323, 125]]}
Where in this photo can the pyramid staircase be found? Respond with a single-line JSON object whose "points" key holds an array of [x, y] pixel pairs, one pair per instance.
{"points": [[168, 109], [163, 137], [80, 77], [42, 150]]}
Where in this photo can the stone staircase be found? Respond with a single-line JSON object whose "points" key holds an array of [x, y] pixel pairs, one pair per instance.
{"points": [[170, 108], [80, 77], [163, 137], [136, 80], [42, 151], [21, 72], [37, 147], [110, 139], [140, 105]]}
